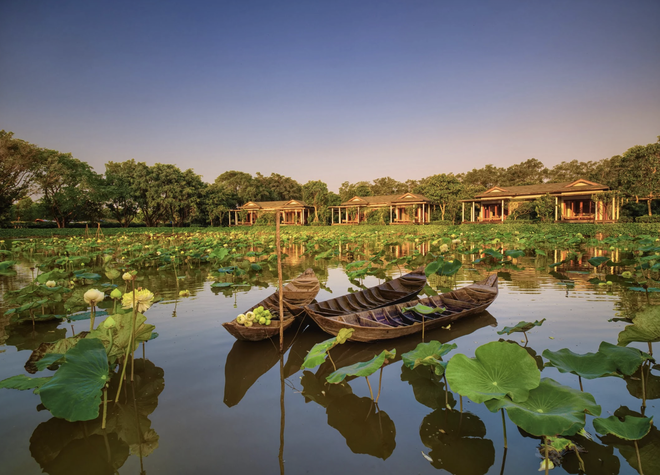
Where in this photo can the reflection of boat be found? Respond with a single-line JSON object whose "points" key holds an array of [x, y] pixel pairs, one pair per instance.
{"points": [[300, 291], [395, 291], [249, 361], [367, 429], [399, 320], [353, 352]]}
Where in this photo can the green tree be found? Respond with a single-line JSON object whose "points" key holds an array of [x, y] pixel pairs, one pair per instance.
{"points": [[242, 187], [387, 186], [571, 171], [348, 190], [486, 177], [177, 193], [640, 172], [18, 160], [70, 189], [529, 172], [315, 193], [544, 206], [215, 203], [280, 187], [443, 189], [120, 190]]}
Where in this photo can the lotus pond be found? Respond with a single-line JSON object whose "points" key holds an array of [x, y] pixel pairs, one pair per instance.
{"points": [[563, 359]]}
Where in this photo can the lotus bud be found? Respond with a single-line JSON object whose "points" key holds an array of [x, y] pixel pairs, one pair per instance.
{"points": [[143, 300], [127, 276], [240, 319], [444, 248], [115, 294], [626, 275], [109, 323], [93, 297], [248, 323], [51, 284], [184, 293]]}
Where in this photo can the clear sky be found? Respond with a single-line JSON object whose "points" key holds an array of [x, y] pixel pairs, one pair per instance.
{"points": [[331, 90]]}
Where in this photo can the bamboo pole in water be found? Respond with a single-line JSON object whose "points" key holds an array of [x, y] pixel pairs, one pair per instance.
{"points": [[279, 278]]}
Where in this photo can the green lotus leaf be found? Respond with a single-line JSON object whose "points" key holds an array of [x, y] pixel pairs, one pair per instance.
{"points": [[221, 284], [365, 368], [423, 309], [588, 365], [550, 409], [630, 428], [521, 327], [624, 360], [74, 393], [48, 360], [112, 274], [645, 327], [514, 253], [22, 382], [344, 334], [598, 261], [318, 353], [428, 354], [4, 265], [498, 369]]}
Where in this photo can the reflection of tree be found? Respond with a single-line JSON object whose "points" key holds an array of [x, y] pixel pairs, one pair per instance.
{"points": [[597, 458], [24, 337], [62, 447], [456, 442], [367, 429]]}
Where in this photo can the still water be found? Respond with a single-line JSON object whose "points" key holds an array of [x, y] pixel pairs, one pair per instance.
{"points": [[204, 403]]}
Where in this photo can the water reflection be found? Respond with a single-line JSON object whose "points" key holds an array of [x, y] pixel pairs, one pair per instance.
{"points": [[69, 448], [427, 387], [366, 428], [457, 442]]}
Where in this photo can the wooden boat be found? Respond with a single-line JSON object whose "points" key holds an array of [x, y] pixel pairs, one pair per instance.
{"points": [[396, 321], [396, 290], [299, 292]]}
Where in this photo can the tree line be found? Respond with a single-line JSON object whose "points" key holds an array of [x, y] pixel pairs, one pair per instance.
{"points": [[69, 190]]}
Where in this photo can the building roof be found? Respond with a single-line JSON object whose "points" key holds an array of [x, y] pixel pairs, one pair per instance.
{"points": [[498, 192], [386, 200], [275, 205]]}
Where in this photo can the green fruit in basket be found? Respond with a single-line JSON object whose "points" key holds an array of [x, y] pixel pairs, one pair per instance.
{"points": [[250, 316], [240, 319], [262, 321], [267, 321], [248, 323]]}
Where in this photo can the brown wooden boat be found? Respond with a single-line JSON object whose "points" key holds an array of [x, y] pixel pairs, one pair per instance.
{"points": [[395, 320], [396, 290], [299, 292]]}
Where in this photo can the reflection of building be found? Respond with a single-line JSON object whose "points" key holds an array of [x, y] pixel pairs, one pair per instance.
{"points": [[408, 208], [294, 212], [573, 202]]}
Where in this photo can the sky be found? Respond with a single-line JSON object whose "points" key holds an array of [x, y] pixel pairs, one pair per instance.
{"points": [[331, 90]]}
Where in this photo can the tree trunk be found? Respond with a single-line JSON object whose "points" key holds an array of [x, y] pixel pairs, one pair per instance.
{"points": [[648, 203]]}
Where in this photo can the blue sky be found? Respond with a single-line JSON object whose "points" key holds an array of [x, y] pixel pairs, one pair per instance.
{"points": [[331, 90]]}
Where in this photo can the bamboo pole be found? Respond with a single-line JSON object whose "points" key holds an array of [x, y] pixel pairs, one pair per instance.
{"points": [[279, 279]]}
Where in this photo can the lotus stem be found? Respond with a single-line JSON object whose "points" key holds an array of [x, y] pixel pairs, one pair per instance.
{"points": [[547, 465], [526, 340], [580, 380], [577, 454], [461, 398], [370, 391], [380, 381], [639, 458], [282, 415], [503, 460], [641, 371], [331, 361], [91, 318], [128, 348], [422, 328], [105, 406], [650, 348], [446, 392], [504, 429], [132, 339]]}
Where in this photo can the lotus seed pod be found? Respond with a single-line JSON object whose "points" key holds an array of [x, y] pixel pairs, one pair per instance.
{"points": [[51, 284], [115, 294]]}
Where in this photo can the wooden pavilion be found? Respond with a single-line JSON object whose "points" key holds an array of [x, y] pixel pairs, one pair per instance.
{"points": [[573, 203], [294, 212], [406, 208]]}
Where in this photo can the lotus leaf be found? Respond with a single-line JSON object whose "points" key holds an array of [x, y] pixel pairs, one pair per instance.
{"points": [[521, 327], [589, 365], [514, 253], [48, 360], [550, 409], [624, 360], [428, 354], [74, 393], [22, 382], [221, 284], [498, 369], [645, 327], [112, 274], [630, 428], [318, 353], [86, 315], [365, 368], [427, 388], [344, 334], [598, 261], [423, 309]]}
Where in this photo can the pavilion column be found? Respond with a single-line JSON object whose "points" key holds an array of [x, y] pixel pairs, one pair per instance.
{"points": [[463, 213], [556, 207], [390, 214], [613, 207], [472, 217], [358, 215]]}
